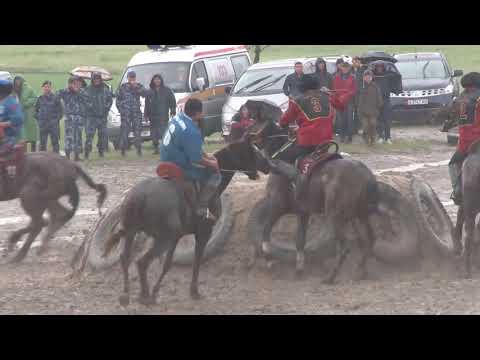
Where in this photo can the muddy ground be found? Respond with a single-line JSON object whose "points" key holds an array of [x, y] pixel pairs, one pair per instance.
{"points": [[40, 285]]}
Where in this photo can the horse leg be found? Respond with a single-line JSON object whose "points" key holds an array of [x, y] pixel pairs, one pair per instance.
{"points": [[142, 267], [36, 227], [366, 240], [16, 236], [457, 231], [200, 243], [166, 265], [342, 251], [125, 258], [59, 215], [469, 231], [300, 244], [267, 232]]}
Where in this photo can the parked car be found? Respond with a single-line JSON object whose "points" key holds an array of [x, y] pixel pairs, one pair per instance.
{"points": [[200, 71], [264, 81], [429, 87], [5, 75]]}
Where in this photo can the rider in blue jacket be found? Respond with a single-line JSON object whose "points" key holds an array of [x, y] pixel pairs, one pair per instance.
{"points": [[11, 116]]}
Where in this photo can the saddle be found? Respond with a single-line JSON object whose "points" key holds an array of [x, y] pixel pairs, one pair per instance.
{"points": [[172, 172], [318, 158]]}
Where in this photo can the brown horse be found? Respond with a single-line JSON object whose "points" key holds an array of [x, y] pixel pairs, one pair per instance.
{"points": [[343, 190], [159, 208], [42, 179]]}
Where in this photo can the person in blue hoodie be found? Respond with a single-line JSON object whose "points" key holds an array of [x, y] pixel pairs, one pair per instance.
{"points": [[11, 117]]}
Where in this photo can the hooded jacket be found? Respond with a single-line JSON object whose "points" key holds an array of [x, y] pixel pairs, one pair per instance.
{"points": [[160, 103], [468, 111], [101, 99], [27, 99], [324, 78]]}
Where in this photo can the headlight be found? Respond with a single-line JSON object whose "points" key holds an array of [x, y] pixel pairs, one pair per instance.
{"points": [[449, 89]]}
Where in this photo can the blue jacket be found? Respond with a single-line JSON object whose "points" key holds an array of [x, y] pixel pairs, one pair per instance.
{"points": [[10, 110], [182, 145]]}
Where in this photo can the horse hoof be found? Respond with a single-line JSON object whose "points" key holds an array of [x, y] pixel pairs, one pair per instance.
{"points": [[124, 300], [147, 300], [195, 295]]}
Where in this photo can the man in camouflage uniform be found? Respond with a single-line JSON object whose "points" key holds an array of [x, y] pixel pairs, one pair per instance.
{"points": [[48, 113], [101, 100], [128, 104], [75, 102]]}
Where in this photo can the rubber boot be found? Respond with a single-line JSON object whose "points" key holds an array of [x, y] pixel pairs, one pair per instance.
{"points": [[455, 171], [34, 146], [207, 195], [139, 151], [123, 152]]}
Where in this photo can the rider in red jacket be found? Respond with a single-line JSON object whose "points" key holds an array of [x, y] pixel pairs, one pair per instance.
{"points": [[313, 112], [467, 111]]}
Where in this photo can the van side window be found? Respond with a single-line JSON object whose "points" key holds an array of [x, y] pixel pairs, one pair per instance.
{"points": [[199, 71], [240, 64], [221, 71]]}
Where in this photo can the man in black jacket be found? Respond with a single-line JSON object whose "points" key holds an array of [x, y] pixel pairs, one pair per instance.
{"points": [[324, 78], [160, 105], [386, 83], [292, 82]]}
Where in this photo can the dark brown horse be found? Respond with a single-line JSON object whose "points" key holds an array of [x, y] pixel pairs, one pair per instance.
{"points": [[45, 178], [159, 208], [343, 190], [469, 208]]}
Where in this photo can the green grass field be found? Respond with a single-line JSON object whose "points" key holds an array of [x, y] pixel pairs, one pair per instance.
{"points": [[40, 62]]}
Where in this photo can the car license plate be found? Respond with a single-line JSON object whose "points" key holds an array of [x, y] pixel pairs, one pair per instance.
{"points": [[417, 102]]}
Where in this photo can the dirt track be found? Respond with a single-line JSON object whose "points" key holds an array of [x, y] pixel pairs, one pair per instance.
{"points": [[39, 284]]}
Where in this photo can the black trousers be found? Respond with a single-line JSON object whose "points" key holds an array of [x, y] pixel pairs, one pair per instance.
{"points": [[384, 122], [292, 153], [345, 122], [157, 129]]}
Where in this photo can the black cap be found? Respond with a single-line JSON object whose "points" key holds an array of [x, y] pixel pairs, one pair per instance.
{"points": [[96, 75]]}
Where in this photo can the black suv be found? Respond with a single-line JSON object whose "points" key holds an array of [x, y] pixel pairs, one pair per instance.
{"points": [[429, 87]]}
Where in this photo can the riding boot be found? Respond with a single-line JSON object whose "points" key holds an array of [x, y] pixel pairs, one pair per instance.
{"points": [[207, 195], [455, 171]]}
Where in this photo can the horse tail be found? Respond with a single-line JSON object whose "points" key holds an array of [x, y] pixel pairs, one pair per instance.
{"points": [[100, 188], [373, 196], [113, 240]]}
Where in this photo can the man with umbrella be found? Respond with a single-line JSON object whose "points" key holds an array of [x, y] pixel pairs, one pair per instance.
{"points": [[101, 100]]}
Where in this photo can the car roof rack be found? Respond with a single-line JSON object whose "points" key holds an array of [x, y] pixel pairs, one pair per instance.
{"points": [[167, 47]]}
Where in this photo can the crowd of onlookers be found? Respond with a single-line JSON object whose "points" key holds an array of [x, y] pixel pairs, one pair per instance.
{"points": [[85, 107], [366, 94]]}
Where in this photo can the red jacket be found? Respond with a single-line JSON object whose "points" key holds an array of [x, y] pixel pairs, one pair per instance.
{"points": [[469, 127], [345, 89], [314, 113]]}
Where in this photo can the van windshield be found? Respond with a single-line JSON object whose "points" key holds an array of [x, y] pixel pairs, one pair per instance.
{"points": [[422, 69], [175, 74], [262, 81]]}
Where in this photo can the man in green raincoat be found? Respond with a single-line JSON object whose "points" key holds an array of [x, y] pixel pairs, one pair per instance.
{"points": [[27, 99]]}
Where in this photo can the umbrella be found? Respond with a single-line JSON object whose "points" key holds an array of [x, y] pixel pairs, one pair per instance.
{"points": [[370, 56], [85, 72]]}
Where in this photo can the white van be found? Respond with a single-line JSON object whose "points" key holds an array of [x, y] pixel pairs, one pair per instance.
{"points": [[200, 71]]}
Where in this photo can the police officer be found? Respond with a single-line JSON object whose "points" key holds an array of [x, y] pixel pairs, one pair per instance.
{"points": [[101, 100], [182, 145], [467, 112], [48, 113], [128, 104], [75, 103]]}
